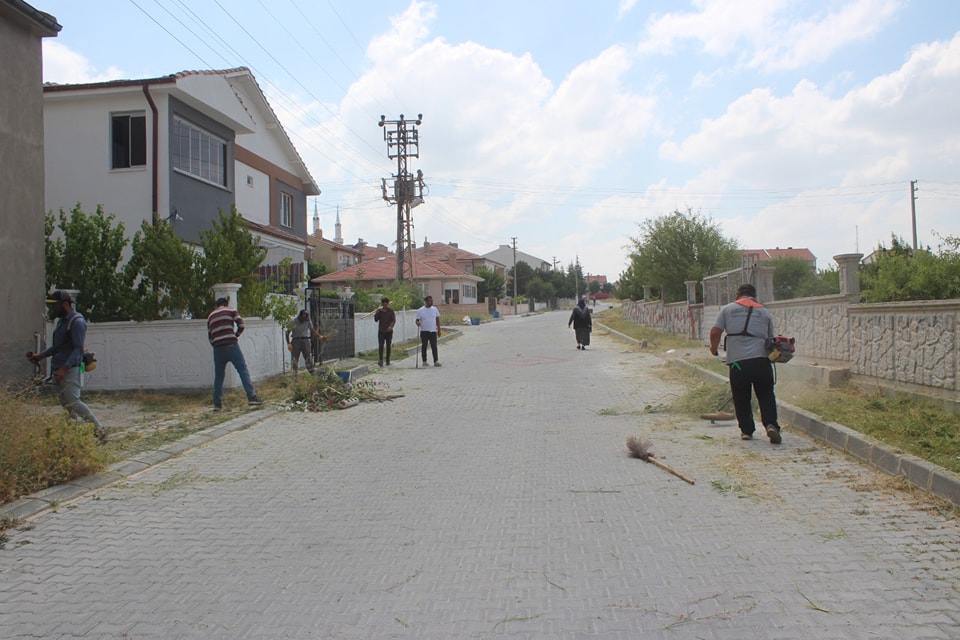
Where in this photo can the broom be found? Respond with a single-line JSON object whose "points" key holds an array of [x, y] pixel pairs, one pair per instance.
{"points": [[641, 449]]}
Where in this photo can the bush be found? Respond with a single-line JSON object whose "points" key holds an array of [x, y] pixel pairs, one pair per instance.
{"points": [[42, 448]]}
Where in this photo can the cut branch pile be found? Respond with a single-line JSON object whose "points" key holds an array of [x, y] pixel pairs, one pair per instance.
{"points": [[327, 391]]}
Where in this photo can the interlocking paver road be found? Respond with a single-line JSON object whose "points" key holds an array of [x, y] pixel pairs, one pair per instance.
{"points": [[494, 499]]}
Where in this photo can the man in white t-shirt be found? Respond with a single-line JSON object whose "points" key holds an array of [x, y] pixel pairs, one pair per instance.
{"points": [[428, 319]]}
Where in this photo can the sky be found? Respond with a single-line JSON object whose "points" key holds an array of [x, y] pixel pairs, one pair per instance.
{"points": [[564, 125]]}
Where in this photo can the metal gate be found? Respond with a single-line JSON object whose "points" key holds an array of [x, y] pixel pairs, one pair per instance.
{"points": [[333, 318]]}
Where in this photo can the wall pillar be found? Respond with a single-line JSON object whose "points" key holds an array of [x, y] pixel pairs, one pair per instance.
{"points": [[646, 292], [691, 291], [227, 290], [849, 266]]}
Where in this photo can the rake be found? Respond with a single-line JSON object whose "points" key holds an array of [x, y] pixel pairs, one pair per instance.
{"points": [[641, 449]]}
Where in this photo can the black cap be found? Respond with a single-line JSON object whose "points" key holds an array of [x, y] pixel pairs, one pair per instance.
{"points": [[59, 296], [222, 302]]}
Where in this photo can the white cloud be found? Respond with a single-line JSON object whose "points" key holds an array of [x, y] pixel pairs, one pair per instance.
{"points": [[64, 66], [768, 35]]}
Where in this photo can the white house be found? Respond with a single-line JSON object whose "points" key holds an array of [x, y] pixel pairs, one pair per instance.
{"points": [[180, 147]]}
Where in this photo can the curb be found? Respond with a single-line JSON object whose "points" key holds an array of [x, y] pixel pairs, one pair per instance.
{"points": [[52, 497], [878, 456]]}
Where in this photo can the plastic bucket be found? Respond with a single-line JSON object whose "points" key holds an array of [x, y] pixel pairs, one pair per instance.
{"points": [[344, 375], [475, 321], [496, 314]]}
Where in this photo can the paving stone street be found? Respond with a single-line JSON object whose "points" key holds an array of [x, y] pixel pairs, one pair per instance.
{"points": [[495, 499]]}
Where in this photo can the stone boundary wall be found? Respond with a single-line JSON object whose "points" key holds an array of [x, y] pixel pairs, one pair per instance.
{"points": [[678, 318], [908, 344]]}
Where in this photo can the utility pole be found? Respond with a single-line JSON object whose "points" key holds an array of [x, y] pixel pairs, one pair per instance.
{"points": [[913, 211], [403, 141], [514, 275]]}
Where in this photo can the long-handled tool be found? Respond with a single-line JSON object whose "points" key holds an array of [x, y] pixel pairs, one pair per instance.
{"points": [[641, 449], [719, 414]]}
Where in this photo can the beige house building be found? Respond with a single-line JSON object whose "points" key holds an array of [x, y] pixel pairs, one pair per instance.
{"points": [[22, 257]]}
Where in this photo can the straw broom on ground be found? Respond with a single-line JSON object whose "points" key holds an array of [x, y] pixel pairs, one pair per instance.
{"points": [[641, 449]]}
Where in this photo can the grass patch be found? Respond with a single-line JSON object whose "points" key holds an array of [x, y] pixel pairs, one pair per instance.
{"points": [[40, 448], [913, 425]]}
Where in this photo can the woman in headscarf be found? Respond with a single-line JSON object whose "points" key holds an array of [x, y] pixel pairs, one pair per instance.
{"points": [[582, 324]]}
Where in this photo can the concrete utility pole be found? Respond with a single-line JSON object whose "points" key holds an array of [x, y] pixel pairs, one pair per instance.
{"points": [[913, 211], [403, 141], [514, 275]]}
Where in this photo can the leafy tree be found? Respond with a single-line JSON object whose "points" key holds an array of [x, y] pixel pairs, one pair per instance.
{"points": [[231, 254], [900, 273], [492, 285], [678, 247], [87, 258], [316, 269], [540, 290], [164, 271], [524, 273], [593, 287]]}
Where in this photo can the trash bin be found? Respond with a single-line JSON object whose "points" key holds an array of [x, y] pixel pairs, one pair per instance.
{"points": [[344, 375], [496, 314], [475, 321]]}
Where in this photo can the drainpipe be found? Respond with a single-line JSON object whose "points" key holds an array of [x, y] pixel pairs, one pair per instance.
{"points": [[155, 170]]}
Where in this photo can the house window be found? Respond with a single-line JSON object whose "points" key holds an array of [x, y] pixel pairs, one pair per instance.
{"points": [[199, 153], [128, 140], [451, 296], [469, 291], [286, 210]]}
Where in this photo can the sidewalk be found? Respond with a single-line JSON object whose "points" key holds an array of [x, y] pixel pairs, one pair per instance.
{"points": [[495, 499]]}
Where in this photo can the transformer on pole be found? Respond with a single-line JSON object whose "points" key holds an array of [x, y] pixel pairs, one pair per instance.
{"points": [[403, 141]]}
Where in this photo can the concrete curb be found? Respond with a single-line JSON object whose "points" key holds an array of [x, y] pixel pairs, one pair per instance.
{"points": [[876, 455], [53, 497]]}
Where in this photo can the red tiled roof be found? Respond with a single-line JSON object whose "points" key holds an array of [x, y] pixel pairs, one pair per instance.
{"points": [[386, 269]]}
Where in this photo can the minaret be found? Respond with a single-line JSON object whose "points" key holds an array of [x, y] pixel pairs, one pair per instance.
{"points": [[316, 221], [337, 235]]}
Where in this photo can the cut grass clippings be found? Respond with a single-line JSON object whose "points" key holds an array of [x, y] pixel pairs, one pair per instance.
{"points": [[915, 426]]}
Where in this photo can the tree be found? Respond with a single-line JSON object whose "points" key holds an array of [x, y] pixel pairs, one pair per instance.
{"points": [[676, 248], [524, 273], [492, 285], [164, 272], [540, 290], [87, 258], [231, 254], [900, 273]]}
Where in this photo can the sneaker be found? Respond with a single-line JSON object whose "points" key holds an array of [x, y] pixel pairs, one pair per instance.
{"points": [[746, 436], [101, 435], [380, 364], [774, 434], [388, 363], [254, 401], [436, 364], [217, 409]]}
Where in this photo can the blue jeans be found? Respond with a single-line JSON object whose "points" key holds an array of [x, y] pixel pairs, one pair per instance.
{"points": [[221, 356], [70, 397]]}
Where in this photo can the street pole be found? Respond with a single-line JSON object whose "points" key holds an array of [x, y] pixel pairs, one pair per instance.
{"points": [[403, 141], [913, 211], [514, 275]]}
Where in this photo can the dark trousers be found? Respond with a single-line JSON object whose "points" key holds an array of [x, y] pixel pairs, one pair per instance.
{"points": [[755, 374], [428, 337], [384, 340]]}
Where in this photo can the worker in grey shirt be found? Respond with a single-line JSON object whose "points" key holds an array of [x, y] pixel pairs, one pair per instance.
{"points": [[748, 325], [298, 341]]}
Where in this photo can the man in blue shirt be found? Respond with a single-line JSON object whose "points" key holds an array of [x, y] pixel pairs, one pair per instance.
{"points": [[67, 356]]}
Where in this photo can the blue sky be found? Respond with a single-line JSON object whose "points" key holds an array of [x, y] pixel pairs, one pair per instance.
{"points": [[567, 124]]}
